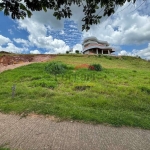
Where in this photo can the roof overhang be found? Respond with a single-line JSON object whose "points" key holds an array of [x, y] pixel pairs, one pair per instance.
{"points": [[94, 39], [99, 47]]}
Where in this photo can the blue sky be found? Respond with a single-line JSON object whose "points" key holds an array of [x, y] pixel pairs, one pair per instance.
{"points": [[127, 31]]}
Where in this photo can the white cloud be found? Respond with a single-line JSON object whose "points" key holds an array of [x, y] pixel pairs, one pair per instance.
{"points": [[10, 31], [124, 53], [38, 37], [33, 27], [12, 48], [72, 26], [116, 48], [35, 52], [77, 47], [22, 41], [62, 32], [50, 44], [144, 53], [3, 40], [7, 45]]}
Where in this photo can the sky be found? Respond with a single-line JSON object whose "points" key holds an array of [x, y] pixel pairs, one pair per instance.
{"points": [[127, 31]]}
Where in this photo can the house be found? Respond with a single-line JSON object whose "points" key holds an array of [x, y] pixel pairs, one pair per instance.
{"points": [[92, 45]]}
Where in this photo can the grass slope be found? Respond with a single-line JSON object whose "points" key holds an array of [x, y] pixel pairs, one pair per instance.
{"points": [[118, 95]]}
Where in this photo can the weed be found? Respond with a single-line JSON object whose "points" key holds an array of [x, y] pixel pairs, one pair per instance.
{"points": [[145, 89], [55, 68], [96, 67], [81, 88]]}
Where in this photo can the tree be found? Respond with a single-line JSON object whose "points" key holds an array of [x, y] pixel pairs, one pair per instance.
{"points": [[77, 51], [22, 8], [67, 52]]}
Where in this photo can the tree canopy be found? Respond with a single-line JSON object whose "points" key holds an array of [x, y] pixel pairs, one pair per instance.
{"points": [[22, 8]]}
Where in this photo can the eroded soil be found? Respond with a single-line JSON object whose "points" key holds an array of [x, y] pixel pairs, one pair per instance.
{"points": [[13, 61]]}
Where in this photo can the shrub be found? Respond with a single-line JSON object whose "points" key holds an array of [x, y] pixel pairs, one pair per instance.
{"points": [[96, 67], [55, 68], [77, 51], [67, 52]]}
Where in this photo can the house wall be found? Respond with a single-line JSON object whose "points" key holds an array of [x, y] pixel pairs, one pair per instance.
{"points": [[97, 51], [86, 52]]}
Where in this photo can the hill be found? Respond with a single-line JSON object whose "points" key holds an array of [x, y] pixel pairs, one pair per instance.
{"points": [[117, 95]]}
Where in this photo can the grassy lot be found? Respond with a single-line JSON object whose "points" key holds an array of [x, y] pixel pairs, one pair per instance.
{"points": [[118, 95]]}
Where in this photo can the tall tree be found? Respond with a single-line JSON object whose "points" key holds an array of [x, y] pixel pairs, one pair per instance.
{"points": [[22, 8]]}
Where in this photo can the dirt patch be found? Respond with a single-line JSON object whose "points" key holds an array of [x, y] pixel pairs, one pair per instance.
{"points": [[82, 66], [3, 68], [13, 61]]}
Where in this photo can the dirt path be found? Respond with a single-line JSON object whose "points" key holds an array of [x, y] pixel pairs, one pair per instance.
{"points": [[40, 133], [40, 58], [3, 68]]}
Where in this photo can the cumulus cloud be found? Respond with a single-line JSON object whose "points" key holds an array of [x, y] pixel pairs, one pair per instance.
{"points": [[77, 47], [144, 53], [22, 41], [7, 45], [38, 37], [10, 47], [4, 40], [35, 52], [124, 52]]}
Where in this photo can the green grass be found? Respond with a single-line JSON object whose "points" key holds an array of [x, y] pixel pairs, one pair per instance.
{"points": [[117, 95], [2, 147]]}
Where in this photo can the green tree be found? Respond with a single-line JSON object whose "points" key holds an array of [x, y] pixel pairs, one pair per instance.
{"points": [[22, 8], [77, 51], [67, 52]]}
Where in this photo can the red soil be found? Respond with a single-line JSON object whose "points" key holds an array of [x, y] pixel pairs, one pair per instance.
{"points": [[14, 61], [82, 66]]}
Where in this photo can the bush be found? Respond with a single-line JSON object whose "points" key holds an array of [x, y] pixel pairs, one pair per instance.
{"points": [[77, 51], [56, 68], [96, 67]]}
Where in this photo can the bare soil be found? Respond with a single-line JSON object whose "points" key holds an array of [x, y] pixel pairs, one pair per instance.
{"points": [[12, 62]]}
